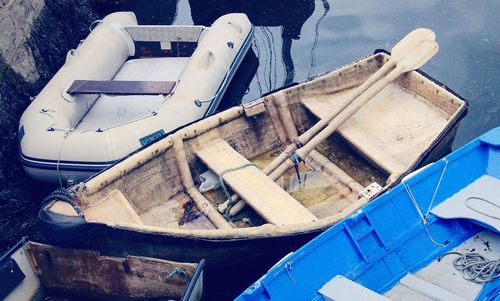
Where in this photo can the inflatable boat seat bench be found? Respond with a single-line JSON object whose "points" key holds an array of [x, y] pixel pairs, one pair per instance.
{"points": [[121, 87]]}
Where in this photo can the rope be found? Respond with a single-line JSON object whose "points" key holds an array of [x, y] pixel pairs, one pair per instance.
{"points": [[436, 190], [231, 203], [479, 211], [47, 112], [92, 26], [425, 216], [178, 271], [296, 161], [475, 267], [289, 268], [326, 7], [199, 102], [74, 130], [66, 135], [62, 194]]}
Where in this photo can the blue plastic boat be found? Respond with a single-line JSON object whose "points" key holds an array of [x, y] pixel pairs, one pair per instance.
{"points": [[398, 246]]}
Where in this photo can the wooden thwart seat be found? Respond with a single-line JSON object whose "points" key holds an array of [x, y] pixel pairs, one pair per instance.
{"points": [[370, 147], [265, 196], [121, 87]]}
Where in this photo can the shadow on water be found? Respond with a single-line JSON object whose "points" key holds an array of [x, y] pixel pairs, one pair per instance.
{"points": [[238, 87], [277, 23], [151, 12]]}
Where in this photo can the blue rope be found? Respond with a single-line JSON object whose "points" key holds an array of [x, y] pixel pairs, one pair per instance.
{"points": [[178, 271]]}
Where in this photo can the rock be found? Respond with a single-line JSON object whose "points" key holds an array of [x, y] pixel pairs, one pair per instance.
{"points": [[17, 20], [34, 38]]}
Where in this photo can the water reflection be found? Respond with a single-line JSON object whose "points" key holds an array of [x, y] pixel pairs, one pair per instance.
{"points": [[326, 8], [240, 83], [147, 11], [277, 24]]}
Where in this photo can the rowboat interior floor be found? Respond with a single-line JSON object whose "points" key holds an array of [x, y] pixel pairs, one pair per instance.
{"points": [[441, 273], [179, 212], [422, 119], [314, 191]]}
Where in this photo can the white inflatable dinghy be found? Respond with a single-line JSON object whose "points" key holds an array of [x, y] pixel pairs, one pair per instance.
{"points": [[125, 86]]}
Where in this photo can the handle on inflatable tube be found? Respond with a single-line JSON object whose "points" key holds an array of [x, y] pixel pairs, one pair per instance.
{"points": [[236, 26]]}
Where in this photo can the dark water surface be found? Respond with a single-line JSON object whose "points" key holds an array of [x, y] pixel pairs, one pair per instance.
{"points": [[297, 39]]}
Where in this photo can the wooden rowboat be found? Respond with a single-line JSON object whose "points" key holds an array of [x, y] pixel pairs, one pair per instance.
{"points": [[34, 271], [149, 204]]}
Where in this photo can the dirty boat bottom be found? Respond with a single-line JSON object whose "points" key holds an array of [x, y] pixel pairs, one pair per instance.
{"points": [[313, 191]]}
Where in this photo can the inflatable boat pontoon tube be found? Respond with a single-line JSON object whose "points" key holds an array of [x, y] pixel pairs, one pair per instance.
{"points": [[125, 86]]}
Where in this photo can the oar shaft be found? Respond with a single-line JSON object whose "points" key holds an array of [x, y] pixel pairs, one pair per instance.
{"points": [[348, 113], [280, 164], [322, 123], [287, 152], [409, 54]]}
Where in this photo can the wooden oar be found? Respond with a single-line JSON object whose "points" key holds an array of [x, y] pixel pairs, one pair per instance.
{"points": [[414, 60], [398, 53]]}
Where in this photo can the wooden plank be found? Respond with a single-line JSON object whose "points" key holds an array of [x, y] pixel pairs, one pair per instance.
{"points": [[121, 87], [86, 273], [392, 156], [265, 196]]}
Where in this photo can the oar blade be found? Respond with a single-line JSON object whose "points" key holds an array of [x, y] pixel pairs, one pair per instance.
{"points": [[419, 56], [411, 41]]}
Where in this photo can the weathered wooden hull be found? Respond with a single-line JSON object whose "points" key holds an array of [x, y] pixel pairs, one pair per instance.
{"points": [[36, 271], [232, 264], [237, 256]]}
